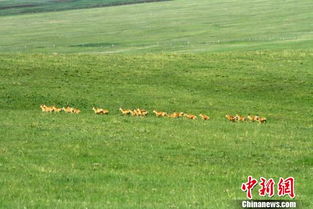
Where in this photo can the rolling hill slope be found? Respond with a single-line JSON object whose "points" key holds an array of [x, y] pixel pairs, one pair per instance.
{"points": [[59, 160], [174, 26], [196, 56], [9, 7]]}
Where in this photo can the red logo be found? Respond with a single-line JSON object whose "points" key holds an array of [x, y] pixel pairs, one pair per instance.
{"points": [[248, 186], [286, 186], [267, 187]]}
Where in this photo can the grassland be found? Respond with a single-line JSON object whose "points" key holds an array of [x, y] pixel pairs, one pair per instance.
{"points": [[214, 57], [78, 161], [16, 7], [172, 26]]}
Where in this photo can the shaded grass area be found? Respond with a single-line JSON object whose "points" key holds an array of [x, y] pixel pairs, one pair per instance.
{"points": [[85, 160], [8, 7]]}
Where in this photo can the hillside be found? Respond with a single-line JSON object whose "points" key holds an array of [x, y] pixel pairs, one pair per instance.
{"points": [[214, 57], [15, 7], [173, 26], [59, 160]]}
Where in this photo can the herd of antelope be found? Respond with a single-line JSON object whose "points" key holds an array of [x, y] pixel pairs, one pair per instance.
{"points": [[254, 118], [142, 113], [45, 108]]}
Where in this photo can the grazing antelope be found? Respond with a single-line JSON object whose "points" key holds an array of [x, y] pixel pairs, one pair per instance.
{"points": [[204, 117], [96, 110], [190, 116], [230, 118], [43, 108], [256, 118], [68, 109], [134, 113], [173, 115], [253, 118], [76, 111], [49, 109], [240, 118], [125, 112], [131, 113], [139, 112], [159, 114], [56, 109], [261, 119], [104, 111], [143, 112], [180, 114], [100, 111], [250, 118]]}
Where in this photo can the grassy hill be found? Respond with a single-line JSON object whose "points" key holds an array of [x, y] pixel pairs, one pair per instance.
{"points": [[173, 26], [15, 7], [212, 57], [87, 160]]}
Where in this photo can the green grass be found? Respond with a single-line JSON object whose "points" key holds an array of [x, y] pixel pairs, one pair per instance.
{"points": [[212, 57], [172, 26], [91, 161], [15, 7]]}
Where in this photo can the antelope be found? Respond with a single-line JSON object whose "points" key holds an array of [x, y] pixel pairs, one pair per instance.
{"points": [[256, 118], [75, 110], [125, 112], [139, 112], [253, 118], [56, 109], [135, 113], [190, 116], [240, 118], [250, 118], [173, 115], [143, 112], [230, 118], [49, 109], [104, 111], [43, 108], [100, 111], [159, 114], [96, 110], [261, 120], [68, 109], [204, 117]]}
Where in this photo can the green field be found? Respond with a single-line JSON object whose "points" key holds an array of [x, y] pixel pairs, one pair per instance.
{"points": [[16, 7], [212, 57], [172, 26]]}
